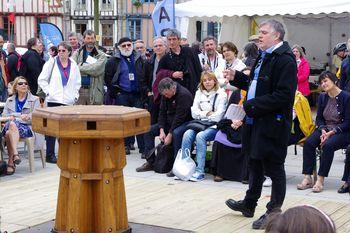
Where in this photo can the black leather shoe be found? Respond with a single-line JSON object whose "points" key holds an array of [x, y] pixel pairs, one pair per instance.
{"points": [[260, 223], [127, 150], [170, 174], [343, 189], [241, 207], [145, 167], [51, 159]]}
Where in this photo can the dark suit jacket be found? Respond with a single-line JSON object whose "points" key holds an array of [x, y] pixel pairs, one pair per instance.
{"points": [[271, 109], [345, 74]]}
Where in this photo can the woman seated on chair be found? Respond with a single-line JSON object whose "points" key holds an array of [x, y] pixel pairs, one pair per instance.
{"points": [[332, 131], [18, 111], [228, 162], [208, 106]]}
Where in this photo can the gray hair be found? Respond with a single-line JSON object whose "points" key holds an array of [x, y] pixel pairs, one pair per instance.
{"points": [[65, 45], [166, 84], [173, 32], [88, 32], [277, 27], [160, 38], [210, 38], [139, 41], [73, 34], [11, 47]]}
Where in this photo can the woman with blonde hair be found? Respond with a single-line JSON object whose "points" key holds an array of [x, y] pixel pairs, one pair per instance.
{"points": [[209, 105], [18, 111], [303, 70]]}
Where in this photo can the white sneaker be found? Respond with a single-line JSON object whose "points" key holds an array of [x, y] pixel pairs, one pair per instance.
{"points": [[197, 176], [267, 182]]}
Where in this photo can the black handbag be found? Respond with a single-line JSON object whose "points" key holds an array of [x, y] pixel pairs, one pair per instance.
{"points": [[201, 125], [3, 168], [161, 158]]}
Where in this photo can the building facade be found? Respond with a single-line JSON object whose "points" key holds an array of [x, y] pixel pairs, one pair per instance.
{"points": [[118, 18], [19, 19]]}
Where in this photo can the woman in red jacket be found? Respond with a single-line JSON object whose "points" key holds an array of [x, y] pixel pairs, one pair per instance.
{"points": [[303, 70]]}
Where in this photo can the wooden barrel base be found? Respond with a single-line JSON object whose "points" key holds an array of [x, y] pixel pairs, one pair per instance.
{"points": [[128, 230], [91, 190]]}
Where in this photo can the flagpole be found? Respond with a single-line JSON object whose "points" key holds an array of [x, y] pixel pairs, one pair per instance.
{"points": [[174, 13]]}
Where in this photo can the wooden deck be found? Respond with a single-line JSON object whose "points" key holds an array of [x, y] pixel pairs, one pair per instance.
{"points": [[182, 205], [30, 199]]}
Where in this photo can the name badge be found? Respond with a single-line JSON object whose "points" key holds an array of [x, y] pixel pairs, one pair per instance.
{"points": [[131, 76]]}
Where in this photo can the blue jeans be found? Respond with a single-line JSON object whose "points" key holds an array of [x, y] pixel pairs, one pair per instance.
{"points": [[201, 143], [131, 100]]}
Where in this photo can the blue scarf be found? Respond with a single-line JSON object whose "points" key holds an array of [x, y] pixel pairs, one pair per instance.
{"points": [[20, 104], [64, 71]]}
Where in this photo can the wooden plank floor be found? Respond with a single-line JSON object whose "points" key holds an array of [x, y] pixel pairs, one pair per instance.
{"points": [[31, 199]]}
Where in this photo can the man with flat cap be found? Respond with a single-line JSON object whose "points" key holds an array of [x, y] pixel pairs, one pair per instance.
{"points": [[123, 73]]}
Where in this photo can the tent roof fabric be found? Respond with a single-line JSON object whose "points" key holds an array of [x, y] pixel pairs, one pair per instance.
{"points": [[220, 8]]}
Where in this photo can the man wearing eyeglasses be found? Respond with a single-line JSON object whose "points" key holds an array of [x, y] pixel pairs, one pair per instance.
{"points": [[91, 62], [122, 77], [140, 47]]}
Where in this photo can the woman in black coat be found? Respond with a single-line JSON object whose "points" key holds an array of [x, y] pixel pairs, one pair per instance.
{"points": [[228, 162], [32, 63]]}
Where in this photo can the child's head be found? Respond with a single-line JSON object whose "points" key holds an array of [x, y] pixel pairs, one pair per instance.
{"points": [[302, 219], [208, 81]]}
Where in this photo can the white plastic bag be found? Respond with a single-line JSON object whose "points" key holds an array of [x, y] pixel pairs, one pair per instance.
{"points": [[184, 166]]}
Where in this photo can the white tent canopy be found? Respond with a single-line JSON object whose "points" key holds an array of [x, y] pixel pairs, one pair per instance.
{"points": [[220, 8], [315, 24]]}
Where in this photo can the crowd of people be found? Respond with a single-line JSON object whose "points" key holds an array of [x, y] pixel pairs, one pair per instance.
{"points": [[193, 95]]}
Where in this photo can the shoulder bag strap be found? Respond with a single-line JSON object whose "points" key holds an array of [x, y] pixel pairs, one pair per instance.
{"points": [[53, 66], [216, 95]]}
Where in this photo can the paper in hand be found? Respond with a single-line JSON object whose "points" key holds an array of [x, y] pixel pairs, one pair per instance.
{"points": [[90, 60], [235, 112]]}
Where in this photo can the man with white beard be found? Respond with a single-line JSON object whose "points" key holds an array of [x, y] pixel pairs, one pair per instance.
{"points": [[123, 73], [91, 62]]}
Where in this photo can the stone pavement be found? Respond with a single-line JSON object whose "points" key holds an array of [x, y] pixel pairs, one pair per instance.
{"points": [[30, 199]]}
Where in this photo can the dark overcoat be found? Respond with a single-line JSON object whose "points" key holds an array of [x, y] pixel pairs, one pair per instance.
{"points": [[271, 109]]}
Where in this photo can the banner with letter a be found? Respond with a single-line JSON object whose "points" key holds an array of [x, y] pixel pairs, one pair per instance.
{"points": [[163, 16], [51, 34]]}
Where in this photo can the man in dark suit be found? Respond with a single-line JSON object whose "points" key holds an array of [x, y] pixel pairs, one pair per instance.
{"points": [[271, 89]]}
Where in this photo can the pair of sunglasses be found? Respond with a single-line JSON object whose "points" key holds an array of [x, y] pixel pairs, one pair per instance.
{"points": [[22, 83]]}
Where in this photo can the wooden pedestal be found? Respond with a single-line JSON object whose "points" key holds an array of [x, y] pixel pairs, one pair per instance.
{"points": [[91, 196]]}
